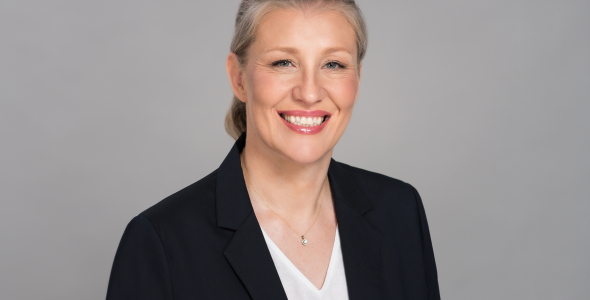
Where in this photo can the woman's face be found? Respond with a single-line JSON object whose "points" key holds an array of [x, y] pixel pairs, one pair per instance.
{"points": [[300, 83]]}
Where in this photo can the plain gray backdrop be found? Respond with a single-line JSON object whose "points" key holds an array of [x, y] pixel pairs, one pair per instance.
{"points": [[107, 107]]}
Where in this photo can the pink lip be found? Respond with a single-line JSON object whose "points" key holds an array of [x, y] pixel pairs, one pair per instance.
{"points": [[305, 113]]}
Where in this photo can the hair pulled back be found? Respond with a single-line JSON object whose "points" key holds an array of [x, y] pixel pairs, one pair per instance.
{"points": [[251, 14]]}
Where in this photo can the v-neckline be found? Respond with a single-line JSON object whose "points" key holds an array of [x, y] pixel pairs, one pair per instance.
{"points": [[296, 271]]}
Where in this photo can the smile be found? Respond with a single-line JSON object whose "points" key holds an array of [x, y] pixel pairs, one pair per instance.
{"points": [[305, 121]]}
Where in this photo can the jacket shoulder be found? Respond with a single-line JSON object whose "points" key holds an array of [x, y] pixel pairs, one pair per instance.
{"points": [[196, 200], [375, 180], [382, 190]]}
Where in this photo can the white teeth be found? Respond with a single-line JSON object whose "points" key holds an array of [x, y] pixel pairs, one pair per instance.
{"points": [[304, 121]]}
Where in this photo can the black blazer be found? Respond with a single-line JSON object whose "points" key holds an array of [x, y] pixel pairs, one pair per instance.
{"points": [[204, 242]]}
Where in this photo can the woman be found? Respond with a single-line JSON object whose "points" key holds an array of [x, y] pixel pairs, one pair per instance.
{"points": [[280, 219]]}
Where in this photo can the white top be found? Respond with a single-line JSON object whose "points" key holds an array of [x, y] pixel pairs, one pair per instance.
{"points": [[298, 287]]}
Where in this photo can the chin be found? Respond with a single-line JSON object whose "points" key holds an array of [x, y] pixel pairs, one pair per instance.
{"points": [[305, 155]]}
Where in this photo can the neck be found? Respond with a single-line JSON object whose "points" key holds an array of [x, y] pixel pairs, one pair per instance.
{"points": [[288, 187]]}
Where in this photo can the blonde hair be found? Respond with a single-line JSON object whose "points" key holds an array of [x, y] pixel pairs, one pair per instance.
{"points": [[251, 14]]}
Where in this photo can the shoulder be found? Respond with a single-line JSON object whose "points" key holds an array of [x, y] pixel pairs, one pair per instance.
{"points": [[396, 210], [155, 239], [194, 203], [385, 193], [373, 183]]}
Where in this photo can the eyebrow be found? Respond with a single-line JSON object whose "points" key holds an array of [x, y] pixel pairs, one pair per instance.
{"points": [[291, 50], [335, 49], [284, 49]]}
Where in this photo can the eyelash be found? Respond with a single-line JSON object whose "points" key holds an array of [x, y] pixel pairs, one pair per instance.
{"points": [[338, 64], [276, 63]]}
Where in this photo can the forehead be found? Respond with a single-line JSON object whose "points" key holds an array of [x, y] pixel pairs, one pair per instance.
{"points": [[305, 30]]}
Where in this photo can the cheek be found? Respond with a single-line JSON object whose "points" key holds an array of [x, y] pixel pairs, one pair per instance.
{"points": [[344, 93], [266, 89]]}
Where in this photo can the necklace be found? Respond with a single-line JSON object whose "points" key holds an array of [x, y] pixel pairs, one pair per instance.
{"points": [[304, 241]]}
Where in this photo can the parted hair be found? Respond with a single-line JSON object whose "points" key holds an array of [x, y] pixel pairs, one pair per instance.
{"points": [[250, 15]]}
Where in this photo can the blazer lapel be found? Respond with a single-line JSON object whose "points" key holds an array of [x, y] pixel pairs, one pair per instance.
{"points": [[360, 242], [249, 257], [246, 251]]}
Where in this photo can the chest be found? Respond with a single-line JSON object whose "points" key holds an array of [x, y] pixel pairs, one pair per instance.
{"points": [[236, 264], [312, 259], [297, 286]]}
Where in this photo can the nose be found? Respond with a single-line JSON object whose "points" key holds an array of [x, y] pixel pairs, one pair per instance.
{"points": [[309, 88]]}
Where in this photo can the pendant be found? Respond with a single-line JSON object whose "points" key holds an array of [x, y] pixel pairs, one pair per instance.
{"points": [[303, 241]]}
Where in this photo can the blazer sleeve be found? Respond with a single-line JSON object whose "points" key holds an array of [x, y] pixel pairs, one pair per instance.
{"points": [[433, 292], [140, 269]]}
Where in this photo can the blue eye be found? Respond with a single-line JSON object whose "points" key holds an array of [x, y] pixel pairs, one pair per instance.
{"points": [[282, 63], [333, 65]]}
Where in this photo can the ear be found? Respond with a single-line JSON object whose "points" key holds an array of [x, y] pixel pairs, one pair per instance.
{"points": [[236, 79]]}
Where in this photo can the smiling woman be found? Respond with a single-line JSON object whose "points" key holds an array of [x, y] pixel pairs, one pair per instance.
{"points": [[303, 63], [280, 219]]}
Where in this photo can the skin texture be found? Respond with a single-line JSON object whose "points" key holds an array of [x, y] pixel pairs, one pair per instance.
{"points": [[300, 60]]}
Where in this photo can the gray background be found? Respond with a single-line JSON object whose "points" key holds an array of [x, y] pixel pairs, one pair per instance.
{"points": [[107, 107]]}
